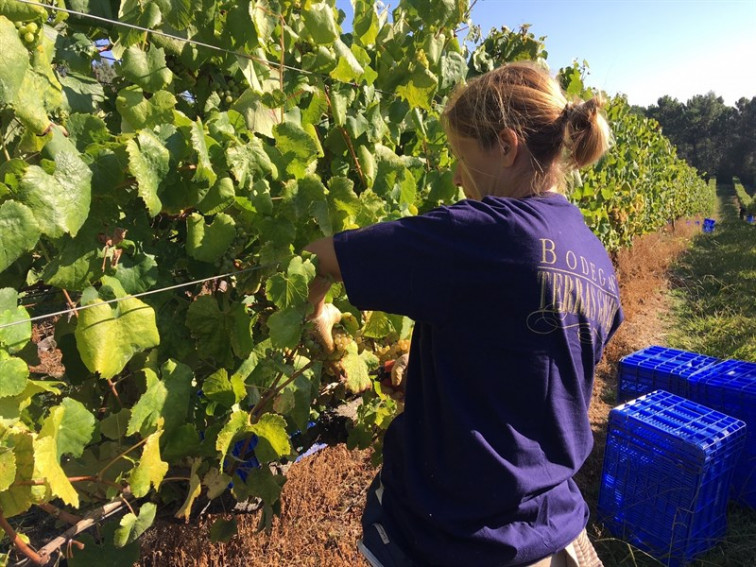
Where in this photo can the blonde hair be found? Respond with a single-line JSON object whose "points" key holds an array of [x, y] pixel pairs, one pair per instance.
{"points": [[557, 132]]}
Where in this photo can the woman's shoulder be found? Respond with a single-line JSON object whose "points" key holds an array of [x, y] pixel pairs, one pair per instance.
{"points": [[506, 211]]}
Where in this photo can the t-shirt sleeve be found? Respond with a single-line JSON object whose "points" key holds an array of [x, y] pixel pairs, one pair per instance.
{"points": [[400, 266]]}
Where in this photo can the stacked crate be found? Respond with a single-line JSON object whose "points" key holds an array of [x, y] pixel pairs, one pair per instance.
{"points": [[730, 387], [659, 368], [667, 470]]}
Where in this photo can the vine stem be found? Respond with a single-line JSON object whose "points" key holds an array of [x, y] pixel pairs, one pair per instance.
{"points": [[71, 479], [70, 302], [274, 391], [349, 143], [20, 544], [90, 519], [283, 54], [255, 412], [57, 513]]}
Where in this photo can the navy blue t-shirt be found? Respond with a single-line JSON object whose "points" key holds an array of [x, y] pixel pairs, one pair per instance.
{"points": [[513, 302]]}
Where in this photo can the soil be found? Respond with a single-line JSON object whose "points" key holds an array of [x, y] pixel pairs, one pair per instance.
{"points": [[323, 498]]}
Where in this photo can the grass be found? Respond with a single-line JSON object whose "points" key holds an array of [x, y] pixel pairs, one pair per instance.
{"points": [[714, 313]]}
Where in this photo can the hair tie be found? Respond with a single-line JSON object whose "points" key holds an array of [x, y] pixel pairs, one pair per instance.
{"points": [[567, 110]]}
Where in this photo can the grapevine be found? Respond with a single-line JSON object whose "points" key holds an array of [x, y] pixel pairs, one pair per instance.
{"points": [[169, 194]]}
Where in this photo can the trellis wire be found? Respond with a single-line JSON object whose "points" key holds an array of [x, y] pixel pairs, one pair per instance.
{"points": [[205, 45], [135, 296]]}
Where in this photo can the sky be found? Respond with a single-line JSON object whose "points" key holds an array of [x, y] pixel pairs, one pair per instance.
{"points": [[641, 48]]}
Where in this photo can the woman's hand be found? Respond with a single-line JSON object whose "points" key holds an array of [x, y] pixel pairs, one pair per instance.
{"points": [[399, 370], [322, 325]]}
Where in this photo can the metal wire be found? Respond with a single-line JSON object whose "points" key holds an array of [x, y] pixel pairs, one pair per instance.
{"points": [[202, 44], [166, 35], [134, 296]]}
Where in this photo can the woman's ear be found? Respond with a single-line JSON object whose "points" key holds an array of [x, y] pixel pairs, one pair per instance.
{"points": [[509, 145]]}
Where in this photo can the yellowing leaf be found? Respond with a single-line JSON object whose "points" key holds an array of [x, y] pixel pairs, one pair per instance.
{"points": [[151, 468], [357, 376], [195, 488], [7, 468], [47, 466]]}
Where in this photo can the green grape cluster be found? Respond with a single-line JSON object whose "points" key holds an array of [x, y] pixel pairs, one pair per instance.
{"points": [[232, 91], [393, 351], [28, 32], [341, 340]]}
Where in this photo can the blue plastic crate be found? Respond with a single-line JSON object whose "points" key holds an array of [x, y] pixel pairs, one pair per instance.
{"points": [[730, 387], [668, 466], [659, 368]]}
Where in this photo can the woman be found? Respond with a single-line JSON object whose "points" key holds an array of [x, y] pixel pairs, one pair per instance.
{"points": [[514, 299]]}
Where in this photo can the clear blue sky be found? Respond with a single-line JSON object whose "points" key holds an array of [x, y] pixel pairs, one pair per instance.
{"points": [[642, 48]]}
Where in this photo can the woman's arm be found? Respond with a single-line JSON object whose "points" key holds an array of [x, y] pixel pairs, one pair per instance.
{"points": [[328, 272]]}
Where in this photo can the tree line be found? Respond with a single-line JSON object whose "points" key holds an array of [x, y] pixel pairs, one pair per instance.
{"points": [[717, 139]]}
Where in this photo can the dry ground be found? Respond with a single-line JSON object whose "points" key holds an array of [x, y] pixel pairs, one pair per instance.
{"points": [[323, 498]]}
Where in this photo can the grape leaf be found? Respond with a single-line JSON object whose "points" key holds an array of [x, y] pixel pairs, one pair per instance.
{"points": [[139, 112], [292, 287], [131, 526], [15, 59], [148, 160], [216, 482], [137, 273], [223, 530], [259, 118], [18, 498], [348, 68], [167, 399], [176, 13], [103, 552], [218, 388], [19, 232], [77, 264], [47, 466], [15, 375], [150, 469], [208, 243], [71, 425], [114, 425], [7, 467], [419, 89], [273, 441], [195, 488], [237, 424], [357, 376], [393, 181], [218, 198], [83, 94], [249, 161], [59, 202], [146, 69], [320, 23], [18, 12], [299, 149], [204, 173], [107, 337], [13, 338], [286, 326], [366, 24]]}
